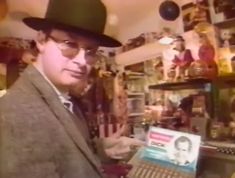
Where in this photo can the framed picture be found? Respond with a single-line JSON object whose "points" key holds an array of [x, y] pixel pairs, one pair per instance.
{"points": [[186, 14], [194, 14], [226, 37], [219, 5], [225, 6]]}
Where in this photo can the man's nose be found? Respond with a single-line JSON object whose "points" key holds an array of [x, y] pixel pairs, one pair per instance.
{"points": [[80, 58]]}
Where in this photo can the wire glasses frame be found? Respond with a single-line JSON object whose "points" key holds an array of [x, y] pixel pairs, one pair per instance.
{"points": [[70, 49]]}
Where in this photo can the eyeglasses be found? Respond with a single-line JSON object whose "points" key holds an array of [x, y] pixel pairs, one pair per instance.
{"points": [[70, 49]]}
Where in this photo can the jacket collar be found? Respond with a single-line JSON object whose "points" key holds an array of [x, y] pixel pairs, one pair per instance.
{"points": [[51, 98]]}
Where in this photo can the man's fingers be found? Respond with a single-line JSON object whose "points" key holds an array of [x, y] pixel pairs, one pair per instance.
{"points": [[120, 132], [137, 142], [132, 141], [117, 152], [122, 146]]}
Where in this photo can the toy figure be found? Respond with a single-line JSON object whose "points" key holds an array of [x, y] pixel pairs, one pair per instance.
{"points": [[225, 36], [206, 53], [182, 61]]}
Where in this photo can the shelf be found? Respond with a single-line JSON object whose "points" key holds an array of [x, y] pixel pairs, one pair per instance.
{"points": [[227, 77], [135, 114], [135, 77], [135, 93], [226, 23], [135, 98], [198, 83], [140, 54], [226, 81]]}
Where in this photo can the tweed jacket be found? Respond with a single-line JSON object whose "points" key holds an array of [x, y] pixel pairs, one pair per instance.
{"points": [[38, 135]]}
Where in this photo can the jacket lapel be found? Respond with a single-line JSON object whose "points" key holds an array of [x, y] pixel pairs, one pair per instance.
{"points": [[62, 114]]}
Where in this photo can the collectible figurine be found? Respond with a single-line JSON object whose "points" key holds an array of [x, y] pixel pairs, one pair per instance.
{"points": [[225, 36], [206, 53], [182, 61]]}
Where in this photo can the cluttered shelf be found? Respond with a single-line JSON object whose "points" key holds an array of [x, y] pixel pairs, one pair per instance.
{"points": [[187, 84], [196, 83]]}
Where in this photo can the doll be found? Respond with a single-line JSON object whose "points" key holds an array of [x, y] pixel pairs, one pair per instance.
{"points": [[183, 59], [206, 53], [225, 36]]}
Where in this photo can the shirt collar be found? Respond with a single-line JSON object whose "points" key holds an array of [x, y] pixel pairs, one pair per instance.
{"points": [[63, 96]]}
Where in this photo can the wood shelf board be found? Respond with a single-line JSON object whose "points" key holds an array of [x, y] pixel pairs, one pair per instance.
{"points": [[189, 84], [135, 93], [135, 114], [226, 80]]}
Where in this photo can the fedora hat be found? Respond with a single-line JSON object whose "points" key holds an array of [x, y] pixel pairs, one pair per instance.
{"points": [[83, 17]]}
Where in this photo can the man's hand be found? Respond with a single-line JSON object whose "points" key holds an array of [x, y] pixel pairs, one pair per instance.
{"points": [[118, 146]]}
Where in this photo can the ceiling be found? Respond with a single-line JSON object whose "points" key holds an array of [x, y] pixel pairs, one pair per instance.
{"points": [[128, 17], [130, 10]]}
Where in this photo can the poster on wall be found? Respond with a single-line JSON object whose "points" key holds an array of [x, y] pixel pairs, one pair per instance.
{"points": [[227, 7], [195, 13]]}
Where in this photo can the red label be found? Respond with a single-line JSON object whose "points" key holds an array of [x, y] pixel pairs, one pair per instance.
{"points": [[160, 136]]}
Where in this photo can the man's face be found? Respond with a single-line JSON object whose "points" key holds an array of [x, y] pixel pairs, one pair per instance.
{"points": [[183, 151], [67, 59]]}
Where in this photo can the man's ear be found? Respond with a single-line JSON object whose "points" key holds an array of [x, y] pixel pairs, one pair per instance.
{"points": [[40, 40]]}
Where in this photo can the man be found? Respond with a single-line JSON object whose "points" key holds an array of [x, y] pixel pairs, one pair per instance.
{"points": [[39, 135], [183, 146]]}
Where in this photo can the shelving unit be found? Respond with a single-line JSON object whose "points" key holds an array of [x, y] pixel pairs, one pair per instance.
{"points": [[212, 87], [136, 96]]}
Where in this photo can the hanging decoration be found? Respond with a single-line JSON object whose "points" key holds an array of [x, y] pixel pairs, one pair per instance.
{"points": [[169, 10]]}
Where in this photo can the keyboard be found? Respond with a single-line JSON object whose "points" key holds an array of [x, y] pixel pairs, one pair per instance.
{"points": [[223, 147]]}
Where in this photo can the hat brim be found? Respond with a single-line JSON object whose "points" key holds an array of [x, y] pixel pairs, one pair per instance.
{"points": [[43, 24]]}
